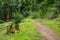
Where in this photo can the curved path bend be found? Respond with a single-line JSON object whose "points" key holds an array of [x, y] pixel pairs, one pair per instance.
{"points": [[45, 31]]}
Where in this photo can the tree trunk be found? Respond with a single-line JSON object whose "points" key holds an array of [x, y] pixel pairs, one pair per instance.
{"points": [[17, 27], [9, 14], [10, 28]]}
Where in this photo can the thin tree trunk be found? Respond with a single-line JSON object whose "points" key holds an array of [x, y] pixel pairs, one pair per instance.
{"points": [[9, 15], [17, 27]]}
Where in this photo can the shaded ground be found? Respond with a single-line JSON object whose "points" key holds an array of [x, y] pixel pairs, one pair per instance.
{"points": [[45, 31]]}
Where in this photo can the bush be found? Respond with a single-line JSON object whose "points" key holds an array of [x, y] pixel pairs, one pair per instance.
{"points": [[17, 17], [34, 15]]}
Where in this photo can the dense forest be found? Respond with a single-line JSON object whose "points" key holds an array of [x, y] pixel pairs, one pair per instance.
{"points": [[48, 9], [15, 11]]}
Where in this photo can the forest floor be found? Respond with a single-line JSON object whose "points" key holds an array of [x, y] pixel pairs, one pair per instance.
{"points": [[28, 31], [48, 33]]}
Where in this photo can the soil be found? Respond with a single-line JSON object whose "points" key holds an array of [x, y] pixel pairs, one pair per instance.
{"points": [[48, 33]]}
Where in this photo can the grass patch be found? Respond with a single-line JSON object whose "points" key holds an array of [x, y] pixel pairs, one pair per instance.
{"points": [[28, 31], [51, 24]]}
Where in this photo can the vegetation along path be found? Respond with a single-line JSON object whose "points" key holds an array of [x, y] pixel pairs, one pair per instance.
{"points": [[45, 31]]}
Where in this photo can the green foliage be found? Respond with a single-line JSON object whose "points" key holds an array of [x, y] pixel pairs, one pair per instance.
{"points": [[28, 31], [57, 19], [17, 17], [34, 15], [48, 9], [1, 21]]}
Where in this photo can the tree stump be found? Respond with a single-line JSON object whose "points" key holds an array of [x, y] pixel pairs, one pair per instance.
{"points": [[10, 29]]}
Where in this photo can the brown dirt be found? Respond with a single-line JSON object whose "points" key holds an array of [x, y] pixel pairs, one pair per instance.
{"points": [[45, 31]]}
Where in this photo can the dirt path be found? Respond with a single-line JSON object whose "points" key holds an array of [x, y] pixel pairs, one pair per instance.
{"points": [[45, 31]]}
